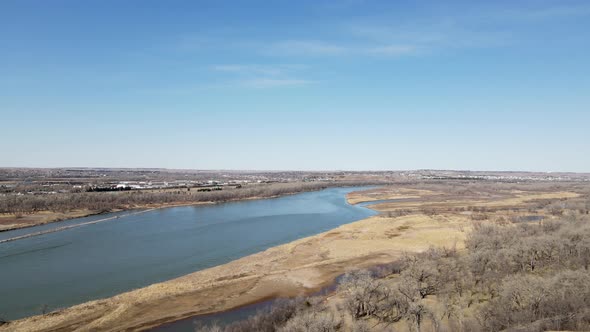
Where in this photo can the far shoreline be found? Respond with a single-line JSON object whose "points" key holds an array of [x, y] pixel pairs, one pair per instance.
{"points": [[75, 214]]}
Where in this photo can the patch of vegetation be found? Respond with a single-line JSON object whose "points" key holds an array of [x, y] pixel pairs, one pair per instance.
{"points": [[297, 315], [106, 201], [524, 277]]}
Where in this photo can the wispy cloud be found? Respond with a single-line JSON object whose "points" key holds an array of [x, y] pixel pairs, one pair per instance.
{"points": [[428, 36], [392, 34], [393, 50], [254, 69], [386, 36], [304, 47], [545, 13], [315, 48], [262, 76], [261, 83]]}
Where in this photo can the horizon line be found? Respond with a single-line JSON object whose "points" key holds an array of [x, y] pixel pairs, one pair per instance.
{"points": [[290, 170]]}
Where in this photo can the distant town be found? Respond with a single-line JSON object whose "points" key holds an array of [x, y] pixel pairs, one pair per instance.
{"points": [[36, 181]]}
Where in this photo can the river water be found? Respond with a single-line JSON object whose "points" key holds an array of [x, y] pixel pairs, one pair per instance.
{"points": [[99, 260]]}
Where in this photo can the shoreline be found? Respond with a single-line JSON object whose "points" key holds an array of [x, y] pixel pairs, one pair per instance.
{"points": [[199, 315], [163, 205], [146, 207], [63, 228], [286, 270], [60, 219], [327, 289], [149, 207]]}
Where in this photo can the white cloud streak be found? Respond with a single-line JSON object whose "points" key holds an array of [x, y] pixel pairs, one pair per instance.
{"points": [[384, 39], [254, 69], [314, 48], [262, 76], [547, 13], [304, 47], [262, 83], [393, 50]]}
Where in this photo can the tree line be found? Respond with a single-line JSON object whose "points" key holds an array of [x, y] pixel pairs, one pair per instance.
{"points": [[107, 201]]}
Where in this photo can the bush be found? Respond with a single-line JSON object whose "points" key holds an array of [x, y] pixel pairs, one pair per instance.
{"points": [[313, 322], [539, 303]]}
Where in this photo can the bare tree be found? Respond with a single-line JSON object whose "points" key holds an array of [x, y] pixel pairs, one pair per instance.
{"points": [[363, 293]]}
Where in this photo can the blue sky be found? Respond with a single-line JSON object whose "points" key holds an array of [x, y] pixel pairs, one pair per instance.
{"points": [[300, 85]]}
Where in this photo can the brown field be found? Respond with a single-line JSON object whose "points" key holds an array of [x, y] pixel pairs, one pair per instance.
{"points": [[439, 215]]}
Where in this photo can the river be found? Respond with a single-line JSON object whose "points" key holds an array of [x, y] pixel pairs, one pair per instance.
{"points": [[72, 266]]}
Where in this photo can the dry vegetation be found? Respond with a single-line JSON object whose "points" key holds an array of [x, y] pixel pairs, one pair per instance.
{"points": [[517, 278], [500, 269], [26, 204], [512, 275]]}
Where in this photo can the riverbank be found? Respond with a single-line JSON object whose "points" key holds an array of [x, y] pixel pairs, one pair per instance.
{"points": [[10, 222], [298, 267], [63, 228]]}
